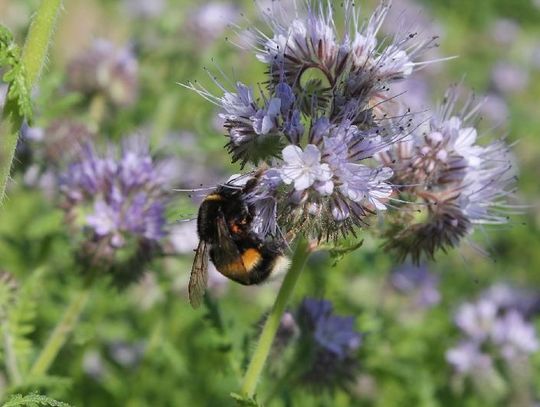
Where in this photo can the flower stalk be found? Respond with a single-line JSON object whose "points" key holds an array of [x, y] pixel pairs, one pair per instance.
{"points": [[271, 325], [61, 332], [33, 59]]}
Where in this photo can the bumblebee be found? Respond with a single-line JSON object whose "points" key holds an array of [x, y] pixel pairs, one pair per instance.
{"points": [[224, 226]]}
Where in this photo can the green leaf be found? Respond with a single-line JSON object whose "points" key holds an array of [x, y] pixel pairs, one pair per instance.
{"points": [[243, 401], [33, 399], [15, 73], [339, 252]]}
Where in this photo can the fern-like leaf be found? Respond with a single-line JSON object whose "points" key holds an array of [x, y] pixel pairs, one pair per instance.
{"points": [[19, 322], [33, 400], [15, 73]]}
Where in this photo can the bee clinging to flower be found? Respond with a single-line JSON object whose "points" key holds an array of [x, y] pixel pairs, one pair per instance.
{"points": [[227, 237]]}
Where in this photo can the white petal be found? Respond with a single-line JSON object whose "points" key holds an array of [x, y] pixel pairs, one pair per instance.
{"points": [[325, 173], [312, 155], [325, 188], [292, 154], [290, 173], [377, 204], [304, 181]]}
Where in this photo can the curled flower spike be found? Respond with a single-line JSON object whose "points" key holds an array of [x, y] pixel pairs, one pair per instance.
{"points": [[115, 206], [353, 62], [456, 182]]}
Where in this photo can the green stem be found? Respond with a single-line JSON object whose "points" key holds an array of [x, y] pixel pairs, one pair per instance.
{"points": [[61, 333], [11, 359], [39, 38], [272, 322], [33, 58]]}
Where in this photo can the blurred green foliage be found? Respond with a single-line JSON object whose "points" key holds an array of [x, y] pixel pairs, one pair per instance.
{"points": [[145, 346]]}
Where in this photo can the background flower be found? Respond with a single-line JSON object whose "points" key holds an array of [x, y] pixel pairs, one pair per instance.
{"points": [[116, 208]]}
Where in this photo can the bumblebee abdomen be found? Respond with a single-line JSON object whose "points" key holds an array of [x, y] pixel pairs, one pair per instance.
{"points": [[261, 262]]}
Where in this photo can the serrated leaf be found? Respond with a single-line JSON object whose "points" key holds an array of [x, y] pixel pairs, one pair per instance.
{"points": [[337, 253], [15, 73], [33, 399]]}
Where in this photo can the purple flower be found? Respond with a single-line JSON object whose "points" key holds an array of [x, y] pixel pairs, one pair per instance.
{"points": [[116, 202], [514, 335], [477, 319], [331, 340], [320, 121], [456, 181], [309, 37], [508, 78], [493, 329], [418, 282], [207, 22], [106, 69], [467, 358], [507, 298]]}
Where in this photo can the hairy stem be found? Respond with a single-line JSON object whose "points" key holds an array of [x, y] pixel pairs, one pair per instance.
{"points": [[33, 58], [61, 333], [271, 325]]}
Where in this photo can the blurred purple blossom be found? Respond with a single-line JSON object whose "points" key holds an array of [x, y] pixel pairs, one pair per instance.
{"points": [[514, 335], [495, 109], [494, 328], [207, 22], [331, 333], [116, 200], [331, 341], [477, 319], [504, 31], [467, 358], [108, 70], [508, 78], [144, 8], [417, 282], [507, 297]]}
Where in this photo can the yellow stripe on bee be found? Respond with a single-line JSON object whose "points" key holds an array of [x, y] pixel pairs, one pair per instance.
{"points": [[214, 197], [232, 269], [251, 257]]}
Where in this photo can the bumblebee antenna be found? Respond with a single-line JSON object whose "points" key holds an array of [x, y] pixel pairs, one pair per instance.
{"points": [[185, 220], [193, 189]]}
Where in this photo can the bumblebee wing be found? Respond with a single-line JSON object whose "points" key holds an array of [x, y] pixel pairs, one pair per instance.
{"points": [[225, 254], [199, 275]]}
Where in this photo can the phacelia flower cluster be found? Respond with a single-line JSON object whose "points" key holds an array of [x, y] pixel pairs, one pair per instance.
{"points": [[316, 126], [332, 342], [106, 70], [324, 345], [116, 205], [494, 328], [417, 283], [454, 181]]}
